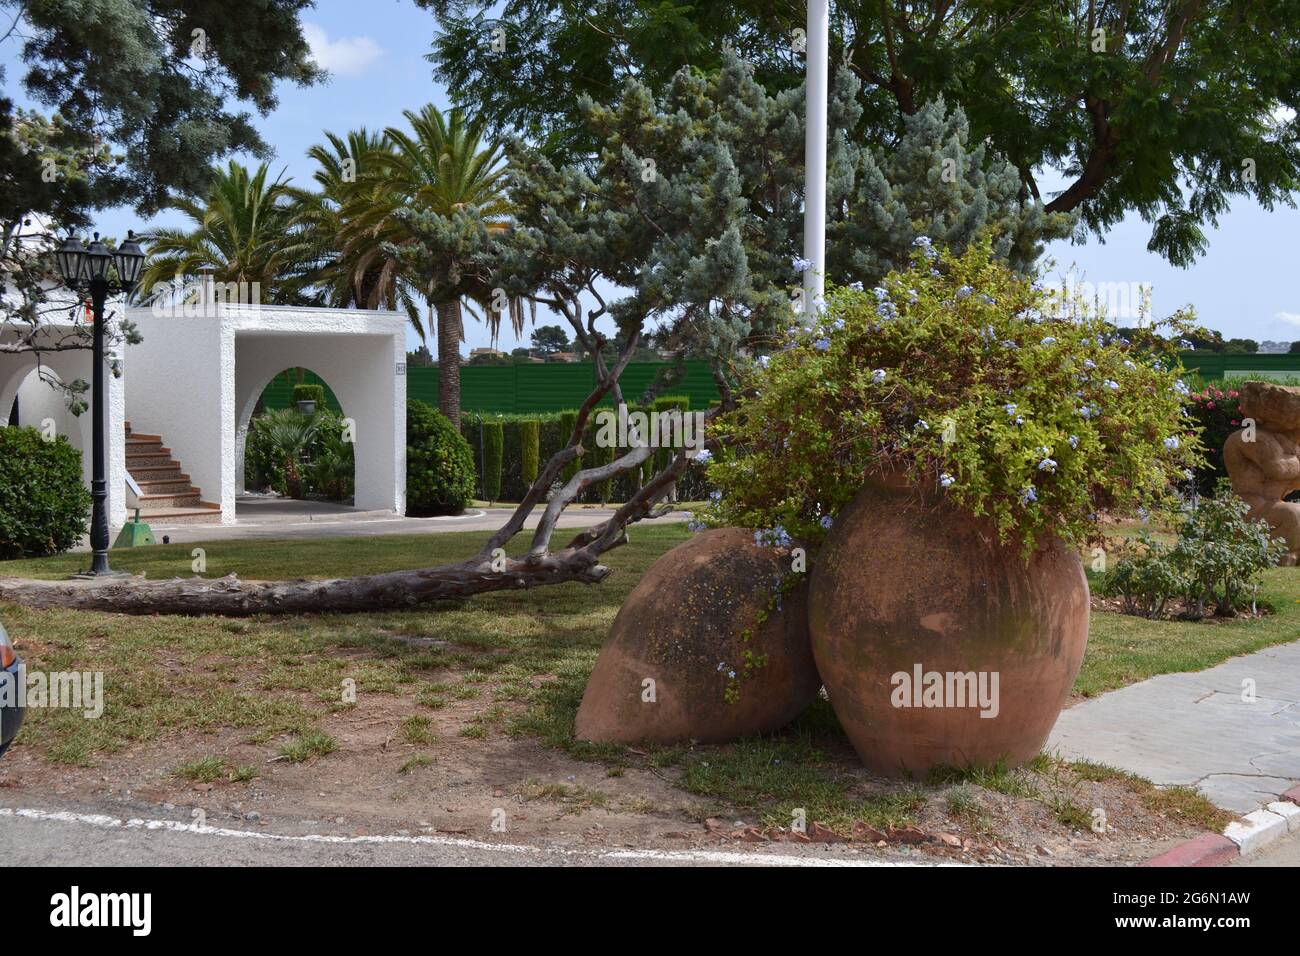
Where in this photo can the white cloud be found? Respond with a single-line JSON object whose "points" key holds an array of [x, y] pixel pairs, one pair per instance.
{"points": [[1292, 318], [347, 56]]}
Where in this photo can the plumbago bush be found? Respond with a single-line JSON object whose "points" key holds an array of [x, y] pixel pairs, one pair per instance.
{"points": [[970, 380]]}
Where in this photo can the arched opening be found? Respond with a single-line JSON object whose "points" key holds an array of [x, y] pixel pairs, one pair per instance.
{"points": [[295, 440], [39, 400]]}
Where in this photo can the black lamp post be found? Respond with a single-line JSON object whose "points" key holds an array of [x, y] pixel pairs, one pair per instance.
{"points": [[98, 271]]}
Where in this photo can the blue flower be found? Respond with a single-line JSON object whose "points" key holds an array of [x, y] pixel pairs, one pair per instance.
{"points": [[856, 286], [1089, 363], [715, 495], [1049, 340], [881, 293], [1048, 465], [1010, 408], [878, 375], [964, 292], [1028, 496], [1128, 364], [826, 522], [1186, 346], [1112, 385], [721, 664], [946, 480], [703, 456], [922, 425], [986, 299], [822, 345], [1172, 442], [801, 265], [764, 361], [1181, 388], [1074, 441]]}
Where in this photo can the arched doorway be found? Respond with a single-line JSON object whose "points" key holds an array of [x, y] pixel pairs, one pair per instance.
{"points": [[295, 439]]}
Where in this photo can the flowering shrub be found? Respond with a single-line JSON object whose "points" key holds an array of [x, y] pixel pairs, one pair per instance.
{"points": [[1218, 412], [954, 374], [1218, 556]]}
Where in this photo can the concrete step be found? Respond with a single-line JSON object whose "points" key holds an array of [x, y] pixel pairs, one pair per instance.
{"points": [[181, 499], [163, 486], [168, 472], [135, 462], [206, 513]]}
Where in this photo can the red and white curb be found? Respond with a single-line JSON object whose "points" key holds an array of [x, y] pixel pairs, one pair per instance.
{"points": [[1239, 838]]}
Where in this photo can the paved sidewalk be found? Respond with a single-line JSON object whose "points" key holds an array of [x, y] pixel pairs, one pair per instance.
{"points": [[1199, 730]]}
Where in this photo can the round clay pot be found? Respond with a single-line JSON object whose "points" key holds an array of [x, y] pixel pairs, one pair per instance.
{"points": [[685, 616], [922, 623]]}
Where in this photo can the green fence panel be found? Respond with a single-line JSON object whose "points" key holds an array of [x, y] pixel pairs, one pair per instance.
{"points": [[1210, 366], [529, 389], [279, 394]]}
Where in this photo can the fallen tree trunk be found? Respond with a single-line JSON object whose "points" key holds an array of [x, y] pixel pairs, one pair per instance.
{"points": [[232, 597]]}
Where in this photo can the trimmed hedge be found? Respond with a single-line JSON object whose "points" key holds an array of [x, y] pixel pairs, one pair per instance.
{"points": [[310, 393], [439, 463], [529, 450], [493, 436], [44, 506], [529, 441]]}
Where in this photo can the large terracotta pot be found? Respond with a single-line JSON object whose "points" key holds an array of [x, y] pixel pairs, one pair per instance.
{"points": [[907, 588], [685, 617]]}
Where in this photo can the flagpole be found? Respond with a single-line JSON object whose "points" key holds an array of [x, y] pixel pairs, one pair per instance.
{"points": [[814, 215]]}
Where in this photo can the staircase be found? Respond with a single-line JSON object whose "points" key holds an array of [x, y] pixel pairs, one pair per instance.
{"points": [[166, 496]]}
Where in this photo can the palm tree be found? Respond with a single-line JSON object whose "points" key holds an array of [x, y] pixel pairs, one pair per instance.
{"points": [[242, 232], [347, 266], [441, 170]]}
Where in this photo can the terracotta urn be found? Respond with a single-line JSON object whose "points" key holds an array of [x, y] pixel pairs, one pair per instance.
{"points": [[664, 673], [939, 646]]}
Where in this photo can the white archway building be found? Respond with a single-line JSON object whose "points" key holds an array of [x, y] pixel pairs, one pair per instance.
{"points": [[195, 379]]}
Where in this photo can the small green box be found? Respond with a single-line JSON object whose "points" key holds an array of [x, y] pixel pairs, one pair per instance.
{"points": [[134, 534]]}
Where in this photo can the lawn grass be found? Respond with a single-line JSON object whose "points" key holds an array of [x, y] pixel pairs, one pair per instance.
{"points": [[277, 677]]}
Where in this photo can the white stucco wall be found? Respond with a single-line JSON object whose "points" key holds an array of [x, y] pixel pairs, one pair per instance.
{"points": [[195, 381], [179, 384], [39, 401]]}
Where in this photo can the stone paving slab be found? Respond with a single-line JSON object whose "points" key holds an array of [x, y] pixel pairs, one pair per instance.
{"points": [[1199, 730]]}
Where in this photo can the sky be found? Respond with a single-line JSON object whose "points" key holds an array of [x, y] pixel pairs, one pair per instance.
{"points": [[1245, 285]]}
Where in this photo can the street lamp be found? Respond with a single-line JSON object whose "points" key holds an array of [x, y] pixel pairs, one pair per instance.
{"points": [[99, 271]]}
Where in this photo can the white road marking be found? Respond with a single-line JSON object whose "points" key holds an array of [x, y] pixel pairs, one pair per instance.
{"points": [[105, 822]]}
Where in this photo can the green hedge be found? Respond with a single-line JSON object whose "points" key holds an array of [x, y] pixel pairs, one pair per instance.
{"points": [[44, 506], [529, 441], [310, 393], [439, 463], [529, 432], [493, 436]]}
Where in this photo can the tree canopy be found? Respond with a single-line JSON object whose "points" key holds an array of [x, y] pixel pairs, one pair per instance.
{"points": [[1167, 108]]}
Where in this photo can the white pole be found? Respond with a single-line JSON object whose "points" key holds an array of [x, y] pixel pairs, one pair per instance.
{"points": [[814, 213]]}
